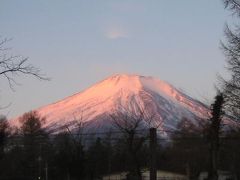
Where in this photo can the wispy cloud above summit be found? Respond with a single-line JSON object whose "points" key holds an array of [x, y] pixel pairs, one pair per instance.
{"points": [[116, 33]]}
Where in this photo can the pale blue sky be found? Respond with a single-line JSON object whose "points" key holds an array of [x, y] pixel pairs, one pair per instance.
{"points": [[78, 43]]}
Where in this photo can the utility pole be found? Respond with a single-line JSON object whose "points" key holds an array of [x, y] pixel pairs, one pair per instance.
{"points": [[39, 161], [46, 171], [188, 170], [153, 146]]}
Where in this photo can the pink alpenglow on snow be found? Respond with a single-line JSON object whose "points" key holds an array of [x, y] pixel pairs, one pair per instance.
{"points": [[94, 105]]}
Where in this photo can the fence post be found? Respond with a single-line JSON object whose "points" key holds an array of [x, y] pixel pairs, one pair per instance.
{"points": [[153, 145]]}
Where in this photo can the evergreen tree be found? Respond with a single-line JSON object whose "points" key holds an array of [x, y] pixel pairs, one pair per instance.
{"points": [[214, 135], [34, 144]]}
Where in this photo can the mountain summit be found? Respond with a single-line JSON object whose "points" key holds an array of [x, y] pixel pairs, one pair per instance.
{"points": [[94, 105]]}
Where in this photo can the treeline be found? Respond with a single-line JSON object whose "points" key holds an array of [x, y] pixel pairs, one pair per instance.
{"points": [[190, 149], [29, 152]]}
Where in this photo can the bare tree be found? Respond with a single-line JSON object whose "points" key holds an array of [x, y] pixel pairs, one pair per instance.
{"points": [[231, 49], [233, 5], [71, 145], [76, 133], [12, 66], [133, 121], [133, 117]]}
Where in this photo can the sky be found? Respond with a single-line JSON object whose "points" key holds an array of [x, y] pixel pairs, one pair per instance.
{"points": [[80, 42]]}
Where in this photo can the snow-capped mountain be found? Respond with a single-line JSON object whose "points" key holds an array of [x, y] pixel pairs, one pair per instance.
{"points": [[95, 104]]}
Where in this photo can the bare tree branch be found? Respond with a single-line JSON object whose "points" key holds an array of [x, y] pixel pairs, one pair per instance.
{"points": [[12, 66], [233, 5]]}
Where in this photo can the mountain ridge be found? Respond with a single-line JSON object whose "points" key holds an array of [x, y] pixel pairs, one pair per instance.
{"points": [[103, 98]]}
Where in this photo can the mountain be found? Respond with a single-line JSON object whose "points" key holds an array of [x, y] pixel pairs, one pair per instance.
{"points": [[94, 105]]}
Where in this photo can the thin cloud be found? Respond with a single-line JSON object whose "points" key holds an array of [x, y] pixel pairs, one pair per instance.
{"points": [[116, 33]]}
